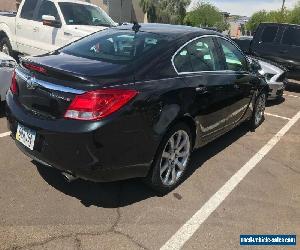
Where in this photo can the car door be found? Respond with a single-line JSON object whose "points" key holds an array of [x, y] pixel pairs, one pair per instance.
{"points": [[25, 28], [239, 82], [290, 50], [266, 42], [49, 38], [198, 62]]}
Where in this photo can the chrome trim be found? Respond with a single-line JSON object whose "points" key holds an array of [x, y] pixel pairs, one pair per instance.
{"points": [[51, 86], [197, 72]]}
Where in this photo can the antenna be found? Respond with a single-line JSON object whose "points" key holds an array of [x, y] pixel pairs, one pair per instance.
{"points": [[136, 27]]}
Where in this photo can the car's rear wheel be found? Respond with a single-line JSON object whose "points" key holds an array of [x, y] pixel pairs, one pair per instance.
{"points": [[5, 46], [258, 115], [171, 160]]}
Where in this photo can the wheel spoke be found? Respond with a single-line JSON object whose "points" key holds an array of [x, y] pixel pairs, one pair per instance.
{"points": [[167, 175], [179, 136], [179, 165], [183, 154], [173, 175], [172, 143], [166, 155], [164, 168]]}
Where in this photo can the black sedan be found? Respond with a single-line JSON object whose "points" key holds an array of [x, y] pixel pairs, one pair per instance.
{"points": [[132, 102]]}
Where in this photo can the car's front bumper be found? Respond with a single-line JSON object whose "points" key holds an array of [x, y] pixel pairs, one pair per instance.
{"points": [[101, 151], [276, 89]]}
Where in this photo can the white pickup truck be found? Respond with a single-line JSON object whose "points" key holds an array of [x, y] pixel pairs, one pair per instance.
{"points": [[41, 26]]}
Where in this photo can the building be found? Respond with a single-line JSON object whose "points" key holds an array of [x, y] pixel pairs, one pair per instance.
{"points": [[119, 10]]}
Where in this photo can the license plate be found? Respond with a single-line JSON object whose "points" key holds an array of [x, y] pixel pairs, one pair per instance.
{"points": [[26, 136]]}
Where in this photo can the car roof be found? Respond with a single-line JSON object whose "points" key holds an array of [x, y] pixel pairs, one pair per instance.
{"points": [[171, 30], [73, 1], [280, 24]]}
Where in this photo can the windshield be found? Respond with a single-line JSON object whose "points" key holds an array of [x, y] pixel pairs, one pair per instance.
{"points": [[116, 46], [82, 14]]}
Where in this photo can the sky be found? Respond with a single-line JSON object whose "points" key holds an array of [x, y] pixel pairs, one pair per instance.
{"points": [[247, 7]]}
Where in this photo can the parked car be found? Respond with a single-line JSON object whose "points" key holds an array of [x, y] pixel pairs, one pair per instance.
{"points": [[41, 26], [132, 102], [279, 43], [275, 76], [7, 65]]}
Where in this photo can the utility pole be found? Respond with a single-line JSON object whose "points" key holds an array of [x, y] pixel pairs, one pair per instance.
{"points": [[283, 3]]}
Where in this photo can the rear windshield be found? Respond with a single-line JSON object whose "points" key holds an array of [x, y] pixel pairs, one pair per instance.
{"points": [[116, 46], [82, 14], [291, 36]]}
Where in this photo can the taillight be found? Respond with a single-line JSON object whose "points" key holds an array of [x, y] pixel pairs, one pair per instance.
{"points": [[36, 68], [14, 86], [98, 104]]}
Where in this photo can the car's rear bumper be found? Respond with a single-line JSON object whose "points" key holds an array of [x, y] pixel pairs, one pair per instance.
{"points": [[100, 151], [276, 89]]}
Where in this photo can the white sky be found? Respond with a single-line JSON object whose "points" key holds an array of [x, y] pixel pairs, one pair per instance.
{"points": [[247, 7]]}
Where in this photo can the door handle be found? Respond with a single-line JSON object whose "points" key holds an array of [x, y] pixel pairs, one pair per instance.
{"points": [[201, 89], [35, 29]]}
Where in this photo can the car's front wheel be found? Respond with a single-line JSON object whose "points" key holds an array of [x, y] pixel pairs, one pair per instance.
{"points": [[5, 46], [171, 160], [258, 115]]}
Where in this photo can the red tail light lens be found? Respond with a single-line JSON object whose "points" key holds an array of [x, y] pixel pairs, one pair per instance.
{"points": [[99, 104], [14, 86], [36, 68]]}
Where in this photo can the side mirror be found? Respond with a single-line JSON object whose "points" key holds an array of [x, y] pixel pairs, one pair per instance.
{"points": [[51, 21]]}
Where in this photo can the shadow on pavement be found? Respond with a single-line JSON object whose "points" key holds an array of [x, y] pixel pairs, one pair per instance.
{"points": [[2, 109], [275, 102], [124, 193]]}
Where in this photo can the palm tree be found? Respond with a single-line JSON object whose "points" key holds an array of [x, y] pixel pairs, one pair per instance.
{"points": [[283, 3]]}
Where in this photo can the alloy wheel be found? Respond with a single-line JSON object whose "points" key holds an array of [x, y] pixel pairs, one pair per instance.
{"points": [[260, 109], [5, 49], [175, 158]]}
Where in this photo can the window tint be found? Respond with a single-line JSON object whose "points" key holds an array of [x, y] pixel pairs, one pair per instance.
{"points": [[116, 46], [47, 8], [28, 9], [235, 60], [82, 14], [199, 55], [291, 36], [269, 34]]}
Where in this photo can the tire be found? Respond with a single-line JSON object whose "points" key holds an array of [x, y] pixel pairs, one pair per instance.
{"points": [[258, 115], [168, 167], [5, 46]]}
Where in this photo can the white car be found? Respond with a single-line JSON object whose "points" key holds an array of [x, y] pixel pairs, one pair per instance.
{"points": [[275, 76], [7, 65], [41, 26]]}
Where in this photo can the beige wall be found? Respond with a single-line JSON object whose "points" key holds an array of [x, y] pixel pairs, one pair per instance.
{"points": [[8, 5]]}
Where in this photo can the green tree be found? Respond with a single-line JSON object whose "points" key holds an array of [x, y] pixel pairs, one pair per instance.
{"points": [[294, 15], [256, 19], [165, 11], [206, 15]]}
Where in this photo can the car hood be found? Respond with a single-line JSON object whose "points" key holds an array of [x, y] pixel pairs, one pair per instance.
{"points": [[4, 56], [83, 30]]}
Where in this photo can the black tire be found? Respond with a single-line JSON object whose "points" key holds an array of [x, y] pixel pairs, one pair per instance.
{"points": [[5, 42], [154, 179], [256, 120]]}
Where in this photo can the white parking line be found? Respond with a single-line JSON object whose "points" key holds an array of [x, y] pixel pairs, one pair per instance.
{"points": [[192, 225], [278, 116], [4, 134], [291, 95]]}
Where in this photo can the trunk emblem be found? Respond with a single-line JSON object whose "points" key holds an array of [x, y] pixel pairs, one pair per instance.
{"points": [[31, 83]]}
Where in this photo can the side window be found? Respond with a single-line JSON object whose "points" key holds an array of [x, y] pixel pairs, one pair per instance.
{"points": [[235, 60], [28, 9], [47, 8], [199, 55], [269, 34], [291, 36]]}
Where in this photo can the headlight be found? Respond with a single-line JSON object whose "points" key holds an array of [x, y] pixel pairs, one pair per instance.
{"points": [[7, 64]]}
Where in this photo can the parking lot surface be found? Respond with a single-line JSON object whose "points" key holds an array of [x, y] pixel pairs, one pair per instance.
{"points": [[39, 210]]}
